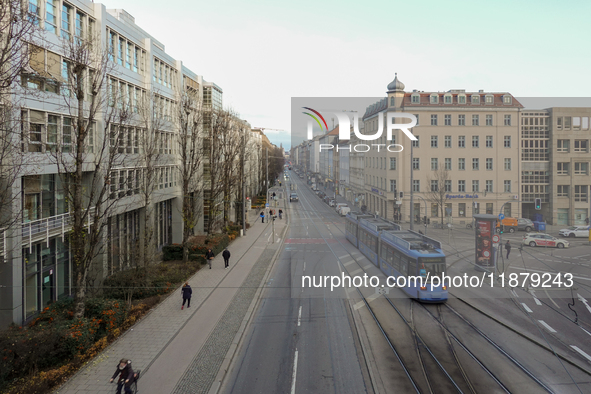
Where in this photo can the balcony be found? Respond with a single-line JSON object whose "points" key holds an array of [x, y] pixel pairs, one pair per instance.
{"points": [[44, 229]]}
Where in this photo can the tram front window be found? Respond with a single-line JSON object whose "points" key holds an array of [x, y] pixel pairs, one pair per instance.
{"points": [[431, 270]]}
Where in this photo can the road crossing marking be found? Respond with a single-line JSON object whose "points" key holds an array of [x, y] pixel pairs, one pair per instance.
{"points": [[542, 322], [533, 294], [526, 307], [348, 263], [356, 272], [582, 353], [584, 301]]}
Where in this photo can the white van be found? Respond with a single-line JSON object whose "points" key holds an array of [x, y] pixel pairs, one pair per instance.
{"points": [[339, 206], [344, 211]]}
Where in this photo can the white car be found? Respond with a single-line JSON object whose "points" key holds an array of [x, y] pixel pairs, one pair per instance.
{"points": [[339, 205], [575, 231], [546, 240]]}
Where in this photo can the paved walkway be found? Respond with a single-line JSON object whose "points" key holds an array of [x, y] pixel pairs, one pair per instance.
{"points": [[182, 351]]}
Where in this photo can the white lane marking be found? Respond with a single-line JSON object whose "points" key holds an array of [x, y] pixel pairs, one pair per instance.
{"points": [[295, 372], [542, 322], [349, 263], [533, 294], [300, 316], [304, 265], [372, 297], [356, 272], [584, 301], [588, 333], [526, 307], [514, 293], [548, 272], [360, 304], [551, 299], [582, 353]]}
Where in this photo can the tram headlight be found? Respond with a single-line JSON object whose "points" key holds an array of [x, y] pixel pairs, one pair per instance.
{"points": [[444, 287], [423, 287]]}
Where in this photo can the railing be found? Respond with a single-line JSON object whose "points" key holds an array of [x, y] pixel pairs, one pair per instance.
{"points": [[43, 229]]}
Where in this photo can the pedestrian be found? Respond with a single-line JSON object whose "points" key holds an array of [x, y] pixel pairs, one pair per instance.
{"points": [[587, 221], [280, 213], [209, 256], [274, 194], [508, 249], [186, 292], [126, 376], [262, 215], [226, 256]]}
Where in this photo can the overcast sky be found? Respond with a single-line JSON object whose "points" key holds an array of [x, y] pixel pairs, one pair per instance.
{"points": [[262, 53]]}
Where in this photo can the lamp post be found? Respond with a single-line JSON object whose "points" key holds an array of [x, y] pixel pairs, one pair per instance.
{"points": [[425, 212], [412, 207]]}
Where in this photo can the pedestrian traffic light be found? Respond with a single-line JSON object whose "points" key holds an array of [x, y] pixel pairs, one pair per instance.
{"points": [[424, 219], [538, 203], [401, 194]]}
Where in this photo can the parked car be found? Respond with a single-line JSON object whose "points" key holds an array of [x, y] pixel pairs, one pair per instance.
{"points": [[326, 199], [524, 224], [293, 197], [321, 194], [339, 205], [541, 239], [509, 225], [575, 231], [331, 202]]}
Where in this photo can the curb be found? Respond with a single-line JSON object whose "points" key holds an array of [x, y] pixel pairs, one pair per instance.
{"points": [[225, 367]]}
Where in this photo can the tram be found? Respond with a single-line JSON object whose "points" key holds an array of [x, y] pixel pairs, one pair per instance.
{"points": [[352, 226], [369, 236]]}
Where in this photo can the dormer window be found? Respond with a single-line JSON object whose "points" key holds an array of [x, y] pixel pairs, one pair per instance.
{"points": [[507, 99], [489, 99], [415, 99], [475, 99], [391, 101], [434, 99], [447, 99], [461, 98]]}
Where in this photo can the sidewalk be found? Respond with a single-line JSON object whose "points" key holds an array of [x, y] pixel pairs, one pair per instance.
{"points": [[181, 351]]}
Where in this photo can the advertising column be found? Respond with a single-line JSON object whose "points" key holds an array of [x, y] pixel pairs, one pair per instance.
{"points": [[486, 249]]}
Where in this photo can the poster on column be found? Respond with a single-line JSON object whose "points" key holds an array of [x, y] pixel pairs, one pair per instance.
{"points": [[485, 251]]}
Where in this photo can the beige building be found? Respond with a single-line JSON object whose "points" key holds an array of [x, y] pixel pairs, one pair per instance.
{"points": [[472, 135]]}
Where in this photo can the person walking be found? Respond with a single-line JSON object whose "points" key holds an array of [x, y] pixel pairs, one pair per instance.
{"points": [[587, 221], [186, 292], [280, 213], [262, 215], [226, 256], [126, 376], [508, 249], [209, 256]]}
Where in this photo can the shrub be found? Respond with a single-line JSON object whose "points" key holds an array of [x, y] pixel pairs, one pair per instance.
{"points": [[172, 252]]}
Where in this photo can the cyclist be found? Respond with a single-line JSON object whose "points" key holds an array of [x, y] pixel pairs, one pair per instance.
{"points": [[126, 376]]}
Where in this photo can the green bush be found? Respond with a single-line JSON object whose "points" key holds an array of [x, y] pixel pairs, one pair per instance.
{"points": [[172, 252]]}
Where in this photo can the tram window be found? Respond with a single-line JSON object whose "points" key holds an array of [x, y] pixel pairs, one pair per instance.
{"points": [[434, 269], [412, 267], [390, 257], [403, 265]]}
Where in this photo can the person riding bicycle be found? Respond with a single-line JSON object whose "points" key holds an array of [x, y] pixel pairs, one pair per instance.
{"points": [[126, 376]]}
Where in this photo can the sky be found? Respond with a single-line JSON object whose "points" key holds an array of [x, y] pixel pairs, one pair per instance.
{"points": [[263, 53]]}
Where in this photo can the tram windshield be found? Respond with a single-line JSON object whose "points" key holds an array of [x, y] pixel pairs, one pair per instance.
{"points": [[432, 269]]}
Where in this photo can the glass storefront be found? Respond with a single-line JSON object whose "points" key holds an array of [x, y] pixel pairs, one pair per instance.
{"points": [[580, 216], [562, 217]]}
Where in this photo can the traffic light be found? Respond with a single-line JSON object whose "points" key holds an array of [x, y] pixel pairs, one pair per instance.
{"points": [[424, 219], [538, 203], [401, 194]]}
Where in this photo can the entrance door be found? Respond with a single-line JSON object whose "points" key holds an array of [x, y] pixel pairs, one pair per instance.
{"points": [[562, 217], [580, 216], [47, 287]]}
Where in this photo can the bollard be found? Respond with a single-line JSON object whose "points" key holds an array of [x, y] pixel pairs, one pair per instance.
{"points": [[241, 232]]}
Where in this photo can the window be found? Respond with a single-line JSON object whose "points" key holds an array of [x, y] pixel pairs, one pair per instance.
{"points": [[52, 134], [562, 191], [79, 28], [448, 163], [475, 120], [392, 185], [581, 168], [462, 99], [507, 100], [461, 186], [67, 135], [112, 44], [447, 141], [489, 186], [567, 122], [50, 16], [559, 122], [434, 185], [489, 141], [462, 209], [120, 52], [507, 164], [434, 210], [434, 99], [447, 99], [507, 141], [415, 99], [507, 120], [34, 12], [416, 116], [581, 193], [475, 186], [447, 120], [489, 164], [475, 99], [563, 145], [488, 99], [416, 185], [392, 163], [415, 144], [475, 141], [475, 163], [448, 185], [581, 145], [489, 120], [461, 164], [433, 120], [448, 209], [461, 120], [461, 141], [415, 163], [128, 55], [507, 186], [434, 163], [434, 141], [66, 21], [489, 208], [562, 169]]}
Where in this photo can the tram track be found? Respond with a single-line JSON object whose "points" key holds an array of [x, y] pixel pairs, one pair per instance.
{"points": [[419, 343]]}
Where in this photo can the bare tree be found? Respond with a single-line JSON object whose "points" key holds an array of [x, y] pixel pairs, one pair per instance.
{"points": [[437, 193], [189, 117], [85, 157]]}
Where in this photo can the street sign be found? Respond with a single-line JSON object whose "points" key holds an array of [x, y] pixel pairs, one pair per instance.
{"points": [[496, 239], [267, 205], [501, 216], [398, 202]]}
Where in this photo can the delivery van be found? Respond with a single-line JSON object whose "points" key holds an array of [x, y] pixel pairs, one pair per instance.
{"points": [[509, 225]]}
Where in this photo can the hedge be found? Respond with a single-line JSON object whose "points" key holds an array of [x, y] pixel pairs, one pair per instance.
{"points": [[217, 243]]}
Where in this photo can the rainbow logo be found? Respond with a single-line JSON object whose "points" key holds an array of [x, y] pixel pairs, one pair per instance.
{"points": [[316, 119]]}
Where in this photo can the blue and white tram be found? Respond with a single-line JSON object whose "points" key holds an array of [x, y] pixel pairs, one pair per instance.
{"points": [[408, 253], [369, 235], [352, 226]]}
